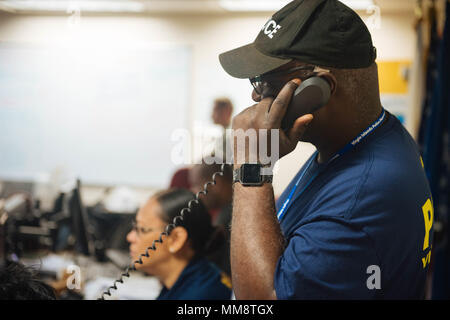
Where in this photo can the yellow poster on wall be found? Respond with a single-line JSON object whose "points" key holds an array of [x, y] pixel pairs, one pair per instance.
{"points": [[393, 80], [393, 76]]}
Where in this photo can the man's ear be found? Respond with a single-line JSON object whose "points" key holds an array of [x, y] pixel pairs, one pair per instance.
{"points": [[331, 80], [177, 239]]}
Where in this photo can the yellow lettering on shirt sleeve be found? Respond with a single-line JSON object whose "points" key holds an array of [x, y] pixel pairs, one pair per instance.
{"points": [[226, 281]]}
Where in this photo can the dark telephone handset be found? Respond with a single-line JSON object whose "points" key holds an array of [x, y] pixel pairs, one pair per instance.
{"points": [[311, 95]]}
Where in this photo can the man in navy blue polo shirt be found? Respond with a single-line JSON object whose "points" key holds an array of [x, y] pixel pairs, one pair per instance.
{"points": [[356, 221]]}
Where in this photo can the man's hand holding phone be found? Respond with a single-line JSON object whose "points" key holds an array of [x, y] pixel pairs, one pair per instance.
{"points": [[268, 114]]}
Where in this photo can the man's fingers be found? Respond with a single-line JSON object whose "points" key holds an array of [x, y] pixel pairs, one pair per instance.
{"points": [[299, 127], [255, 96], [281, 102], [263, 107]]}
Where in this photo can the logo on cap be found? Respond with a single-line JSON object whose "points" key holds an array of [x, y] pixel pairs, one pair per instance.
{"points": [[270, 28]]}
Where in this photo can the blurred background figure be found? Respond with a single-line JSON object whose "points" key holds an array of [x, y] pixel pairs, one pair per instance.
{"points": [[222, 111], [180, 179], [217, 201], [221, 115], [179, 262], [21, 283]]}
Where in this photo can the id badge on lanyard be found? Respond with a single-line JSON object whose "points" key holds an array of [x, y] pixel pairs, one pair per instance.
{"points": [[287, 203]]}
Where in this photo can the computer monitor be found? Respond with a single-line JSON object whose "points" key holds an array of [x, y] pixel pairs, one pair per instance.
{"points": [[81, 228], [111, 227]]}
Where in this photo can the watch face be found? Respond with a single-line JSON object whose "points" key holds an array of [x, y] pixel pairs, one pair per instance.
{"points": [[251, 173]]}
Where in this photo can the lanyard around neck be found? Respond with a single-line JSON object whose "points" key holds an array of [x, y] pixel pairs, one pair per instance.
{"points": [[349, 146]]}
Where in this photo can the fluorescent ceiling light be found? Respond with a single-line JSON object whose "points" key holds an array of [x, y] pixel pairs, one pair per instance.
{"points": [[81, 5], [275, 5]]}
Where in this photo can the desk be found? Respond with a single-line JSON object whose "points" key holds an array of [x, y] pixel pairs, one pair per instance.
{"points": [[137, 287], [95, 277]]}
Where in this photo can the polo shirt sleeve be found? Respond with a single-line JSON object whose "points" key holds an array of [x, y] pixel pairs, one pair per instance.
{"points": [[327, 259]]}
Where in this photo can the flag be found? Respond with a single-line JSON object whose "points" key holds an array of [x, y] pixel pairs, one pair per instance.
{"points": [[435, 142]]}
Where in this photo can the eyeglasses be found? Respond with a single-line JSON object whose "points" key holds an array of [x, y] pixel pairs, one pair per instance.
{"points": [[141, 230], [261, 83]]}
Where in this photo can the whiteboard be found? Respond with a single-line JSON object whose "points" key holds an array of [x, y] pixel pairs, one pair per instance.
{"points": [[104, 114]]}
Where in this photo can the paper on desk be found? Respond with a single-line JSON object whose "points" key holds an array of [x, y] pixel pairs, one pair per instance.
{"points": [[136, 287], [121, 199], [52, 263]]}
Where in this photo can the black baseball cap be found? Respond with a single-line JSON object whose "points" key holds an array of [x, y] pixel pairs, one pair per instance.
{"points": [[321, 32]]}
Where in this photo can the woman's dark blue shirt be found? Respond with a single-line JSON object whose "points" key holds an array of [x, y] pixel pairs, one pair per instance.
{"points": [[200, 280]]}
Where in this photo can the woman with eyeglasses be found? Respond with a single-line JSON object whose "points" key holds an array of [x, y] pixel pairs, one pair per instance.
{"points": [[180, 261]]}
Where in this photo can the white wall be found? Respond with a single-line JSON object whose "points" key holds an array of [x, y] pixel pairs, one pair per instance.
{"points": [[207, 36]]}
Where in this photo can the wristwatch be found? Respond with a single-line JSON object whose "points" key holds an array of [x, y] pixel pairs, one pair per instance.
{"points": [[249, 174]]}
